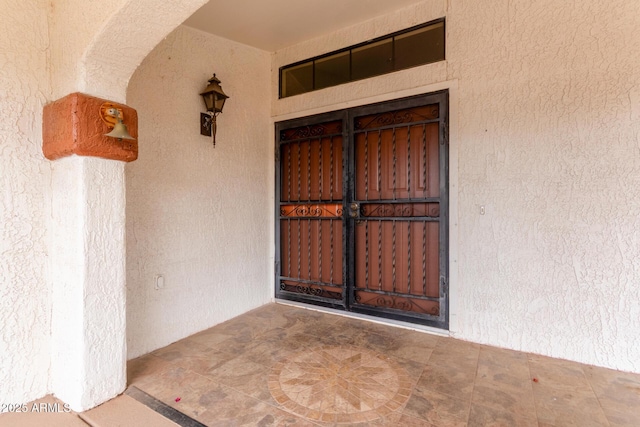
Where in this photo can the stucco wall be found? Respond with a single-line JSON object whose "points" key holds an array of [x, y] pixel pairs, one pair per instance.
{"points": [[545, 134], [549, 122], [96, 46], [200, 216], [83, 20], [88, 353], [24, 202]]}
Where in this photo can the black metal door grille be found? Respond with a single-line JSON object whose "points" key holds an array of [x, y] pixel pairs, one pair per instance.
{"points": [[362, 207]]}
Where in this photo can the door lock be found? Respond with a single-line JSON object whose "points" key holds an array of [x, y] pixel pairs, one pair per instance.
{"points": [[355, 210]]}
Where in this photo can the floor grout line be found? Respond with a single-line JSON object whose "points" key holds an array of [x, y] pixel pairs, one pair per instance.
{"points": [[532, 386], [596, 396]]}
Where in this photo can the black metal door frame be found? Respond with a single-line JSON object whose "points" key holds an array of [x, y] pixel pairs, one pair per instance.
{"points": [[347, 116]]}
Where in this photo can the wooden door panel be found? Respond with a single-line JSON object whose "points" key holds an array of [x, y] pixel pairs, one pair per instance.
{"points": [[411, 173], [311, 250], [311, 168], [311, 209], [408, 264], [397, 228]]}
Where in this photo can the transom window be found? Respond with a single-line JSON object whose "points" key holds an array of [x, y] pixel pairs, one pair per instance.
{"points": [[419, 45]]}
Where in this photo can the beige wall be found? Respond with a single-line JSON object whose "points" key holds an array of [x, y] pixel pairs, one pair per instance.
{"points": [[198, 215], [549, 109], [96, 46], [83, 19], [545, 121], [47, 50], [24, 202]]}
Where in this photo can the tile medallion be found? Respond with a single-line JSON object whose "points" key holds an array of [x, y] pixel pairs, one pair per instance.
{"points": [[339, 384]]}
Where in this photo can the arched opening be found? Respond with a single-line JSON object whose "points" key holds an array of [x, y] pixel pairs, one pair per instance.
{"points": [[124, 40], [88, 342]]}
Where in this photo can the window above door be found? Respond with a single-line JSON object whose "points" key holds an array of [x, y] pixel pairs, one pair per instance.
{"points": [[418, 45]]}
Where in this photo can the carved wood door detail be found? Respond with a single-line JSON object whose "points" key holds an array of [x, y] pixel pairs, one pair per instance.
{"points": [[311, 226]]}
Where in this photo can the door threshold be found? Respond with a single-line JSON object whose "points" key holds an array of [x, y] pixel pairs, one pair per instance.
{"points": [[372, 319]]}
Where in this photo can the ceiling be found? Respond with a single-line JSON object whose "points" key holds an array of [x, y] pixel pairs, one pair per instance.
{"points": [[273, 24]]}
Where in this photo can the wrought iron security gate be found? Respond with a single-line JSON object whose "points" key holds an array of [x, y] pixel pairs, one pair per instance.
{"points": [[362, 202]]}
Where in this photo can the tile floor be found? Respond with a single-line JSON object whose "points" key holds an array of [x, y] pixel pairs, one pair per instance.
{"points": [[287, 366]]}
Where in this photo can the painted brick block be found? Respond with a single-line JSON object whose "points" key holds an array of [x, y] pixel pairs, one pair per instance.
{"points": [[74, 125]]}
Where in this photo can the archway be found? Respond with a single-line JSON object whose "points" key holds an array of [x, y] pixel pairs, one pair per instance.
{"points": [[88, 355]]}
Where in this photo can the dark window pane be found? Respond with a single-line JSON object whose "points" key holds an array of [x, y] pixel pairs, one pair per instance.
{"points": [[332, 70], [372, 60], [396, 51], [419, 47], [297, 79]]}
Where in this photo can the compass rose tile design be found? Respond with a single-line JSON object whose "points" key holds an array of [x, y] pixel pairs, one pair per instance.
{"points": [[339, 384]]}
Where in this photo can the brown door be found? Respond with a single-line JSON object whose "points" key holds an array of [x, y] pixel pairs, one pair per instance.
{"points": [[362, 204], [311, 226]]}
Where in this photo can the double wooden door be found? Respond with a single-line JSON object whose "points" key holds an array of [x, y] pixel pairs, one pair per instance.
{"points": [[362, 208]]}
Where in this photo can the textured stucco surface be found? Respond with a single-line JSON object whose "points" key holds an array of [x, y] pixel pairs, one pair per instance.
{"points": [[97, 46], [199, 216], [95, 50], [64, 276], [549, 144], [87, 271], [73, 26], [24, 203], [547, 124]]}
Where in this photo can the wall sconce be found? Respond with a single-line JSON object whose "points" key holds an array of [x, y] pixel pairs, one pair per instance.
{"points": [[113, 116], [214, 99]]}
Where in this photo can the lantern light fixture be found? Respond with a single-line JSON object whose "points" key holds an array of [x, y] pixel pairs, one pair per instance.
{"points": [[214, 99]]}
